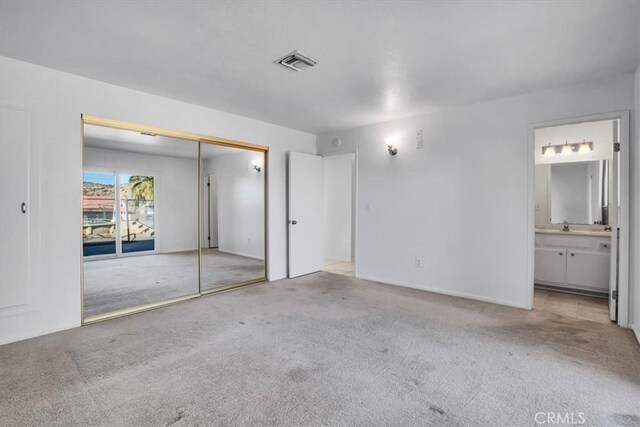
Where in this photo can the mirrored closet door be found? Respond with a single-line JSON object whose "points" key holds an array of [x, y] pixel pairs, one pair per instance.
{"points": [[140, 216], [232, 217], [167, 216]]}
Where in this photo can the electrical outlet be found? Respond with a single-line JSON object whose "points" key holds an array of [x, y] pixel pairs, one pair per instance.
{"points": [[419, 142], [249, 240], [418, 262], [368, 205]]}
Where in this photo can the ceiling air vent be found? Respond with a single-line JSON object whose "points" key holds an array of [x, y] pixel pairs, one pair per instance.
{"points": [[297, 61]]}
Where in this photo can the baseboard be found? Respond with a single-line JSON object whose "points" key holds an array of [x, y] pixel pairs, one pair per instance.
{"points": [[38, 333], [241, 254], [445, 292], [574, 291]]}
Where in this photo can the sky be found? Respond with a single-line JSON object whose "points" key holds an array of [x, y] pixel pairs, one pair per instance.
{"points": [[103, 178]]}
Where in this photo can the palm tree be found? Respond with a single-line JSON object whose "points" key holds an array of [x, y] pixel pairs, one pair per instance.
{"points": [[141, 187]]}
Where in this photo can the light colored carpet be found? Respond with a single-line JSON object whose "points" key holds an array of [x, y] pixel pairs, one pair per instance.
{"points": [[324, 349], [114, 284]]}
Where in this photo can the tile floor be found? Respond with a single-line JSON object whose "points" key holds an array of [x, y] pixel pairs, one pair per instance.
{"points": [[570, 305], [338, 267]]}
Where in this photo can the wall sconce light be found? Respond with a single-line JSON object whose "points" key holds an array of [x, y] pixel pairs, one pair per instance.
{"points": [[256, 166], [566, 149], [391, 144]]}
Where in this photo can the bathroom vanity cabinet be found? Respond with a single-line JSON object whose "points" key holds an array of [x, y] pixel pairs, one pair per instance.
{"points": [[573, 260]]}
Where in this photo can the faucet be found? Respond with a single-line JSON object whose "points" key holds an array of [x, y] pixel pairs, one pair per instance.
{"points": [[565, 227]]}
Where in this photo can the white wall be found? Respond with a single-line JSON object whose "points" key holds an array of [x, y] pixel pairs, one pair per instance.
{"points": [[55, 101], [460, 203], [240, 203], [338, 199], [175, 192]]}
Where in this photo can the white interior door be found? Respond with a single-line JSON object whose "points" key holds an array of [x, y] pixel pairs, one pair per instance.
{"points": [[305, 214], [14, 207]]}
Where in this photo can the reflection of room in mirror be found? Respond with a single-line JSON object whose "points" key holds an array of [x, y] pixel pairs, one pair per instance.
{"points": [[232, 225], [578, 192], [143, 248]]}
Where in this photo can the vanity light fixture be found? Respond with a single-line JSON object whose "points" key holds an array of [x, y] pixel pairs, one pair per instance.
{"points": [[568, 148], [392, 150], [549, 151], [585, 147]]}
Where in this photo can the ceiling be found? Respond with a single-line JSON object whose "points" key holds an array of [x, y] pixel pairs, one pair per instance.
{"points": [[377, 60], [153, 145]]}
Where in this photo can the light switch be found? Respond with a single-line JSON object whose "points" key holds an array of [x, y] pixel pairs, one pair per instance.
{"points": [[368, 205]]}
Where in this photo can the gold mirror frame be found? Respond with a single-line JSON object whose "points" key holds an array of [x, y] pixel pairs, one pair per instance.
{"points": [[200, 139]]}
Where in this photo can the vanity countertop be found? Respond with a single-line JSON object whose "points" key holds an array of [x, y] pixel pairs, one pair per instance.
{"points": [[593, 233]]}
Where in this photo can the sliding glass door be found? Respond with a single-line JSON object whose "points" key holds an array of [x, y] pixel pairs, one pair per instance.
{"points": [[137, 213], [116, 229], [99, 224]]}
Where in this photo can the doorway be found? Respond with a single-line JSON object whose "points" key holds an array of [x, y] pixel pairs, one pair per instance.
{"points": [[578, 260], [339, 221], [322, 212]]}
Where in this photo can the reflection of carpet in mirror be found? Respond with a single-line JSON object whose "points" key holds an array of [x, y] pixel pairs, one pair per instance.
{"points": [[223, 269], [115, 284]]}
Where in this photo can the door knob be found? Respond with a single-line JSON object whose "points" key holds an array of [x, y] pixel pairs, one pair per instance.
{"points": [[294, 222], [560, 253], [23, 208]]}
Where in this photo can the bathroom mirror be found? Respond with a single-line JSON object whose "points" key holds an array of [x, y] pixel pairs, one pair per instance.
{"points": [[579, 192], [232, 217], [139, 219], [576, 192]]}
